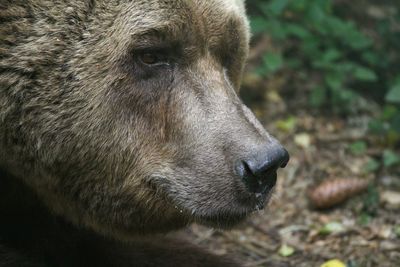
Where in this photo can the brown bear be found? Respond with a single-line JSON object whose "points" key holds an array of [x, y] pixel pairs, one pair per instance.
{"points": [[120, 121]]}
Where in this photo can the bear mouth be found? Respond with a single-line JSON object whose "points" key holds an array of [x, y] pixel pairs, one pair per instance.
{"points": [[220, 214], [230, 217], [222, 221]]}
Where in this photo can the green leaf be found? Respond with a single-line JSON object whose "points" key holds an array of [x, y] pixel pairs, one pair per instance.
{"points": [[371, 201], [364, 219], [273, 62], [397, 230], [332, 227], [371, 57], [352, 263], [356, 40], [342, 98], [377, 126], [334, 80], [286, 251], [287, 125], [346, 32], [316, 14], [393, 95], [295, 63], [331, 55], [310, 47], [258, 24], [345, 67], [389, 111], [333, 263], [371, 166], [299, 5], [358, 148], [365, 74], [276, 29], [297, 31], [277, 6], [390, 158], [318, 96], [395, 123]]}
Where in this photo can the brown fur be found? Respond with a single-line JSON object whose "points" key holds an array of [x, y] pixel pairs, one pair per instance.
{"points": [[114, 146]]}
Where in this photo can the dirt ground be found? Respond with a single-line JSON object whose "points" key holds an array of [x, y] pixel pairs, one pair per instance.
{"points": [[289, 232]]}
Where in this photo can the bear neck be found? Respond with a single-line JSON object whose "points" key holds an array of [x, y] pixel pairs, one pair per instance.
{"points": [[27, 227]]}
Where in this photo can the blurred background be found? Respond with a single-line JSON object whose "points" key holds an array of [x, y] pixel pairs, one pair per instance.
{"points": [[324, 77]]}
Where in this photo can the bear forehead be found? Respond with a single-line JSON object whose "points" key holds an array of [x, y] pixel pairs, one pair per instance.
{"points": [[236, 6], [210, 17], [229, 6]]}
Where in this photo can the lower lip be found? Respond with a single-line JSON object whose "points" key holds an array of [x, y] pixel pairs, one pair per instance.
{"points": [[262, 199], [224, 223]]}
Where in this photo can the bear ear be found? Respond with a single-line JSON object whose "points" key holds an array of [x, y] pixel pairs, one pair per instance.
{"points": [[240, 3], [242, 9], [237, 5]]}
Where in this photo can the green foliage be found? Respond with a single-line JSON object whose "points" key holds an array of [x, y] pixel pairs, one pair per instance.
{"points": [[331, 227], [397, 230], [358, 148], [286, 251], [387, 125], [390, 158], [393, 96], [372, 166], [352, 263], [272, 62], [330, 53], [287, 125], [371, 201], [364, 219], [318, 41]]}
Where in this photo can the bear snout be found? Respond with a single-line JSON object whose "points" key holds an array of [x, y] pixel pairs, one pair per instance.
{"points": [[258, 170]]}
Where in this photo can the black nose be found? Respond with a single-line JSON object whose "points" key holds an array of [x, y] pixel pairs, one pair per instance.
{"points": [[258, 171]]}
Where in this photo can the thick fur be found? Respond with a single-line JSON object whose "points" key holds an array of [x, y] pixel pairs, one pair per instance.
{"points": [[33, 237], [106, 145]]}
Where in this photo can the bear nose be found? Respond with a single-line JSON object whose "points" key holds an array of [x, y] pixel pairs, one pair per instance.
{"points": [[258, 171]]}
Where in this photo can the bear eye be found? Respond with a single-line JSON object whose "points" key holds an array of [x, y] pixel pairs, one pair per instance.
{"points": [[153, 58]]}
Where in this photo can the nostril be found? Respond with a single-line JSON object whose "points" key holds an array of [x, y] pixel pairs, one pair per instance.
{"points": [[285, 158], [253, 182], [258, 172], [246, 168]]}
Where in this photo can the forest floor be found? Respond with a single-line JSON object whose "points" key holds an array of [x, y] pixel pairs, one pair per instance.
{"points": [[362, 232]]}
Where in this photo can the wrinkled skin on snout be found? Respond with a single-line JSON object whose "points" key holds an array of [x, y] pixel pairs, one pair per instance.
{"points": [[135, 127]]}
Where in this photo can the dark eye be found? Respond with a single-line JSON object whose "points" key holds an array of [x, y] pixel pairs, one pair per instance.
{"points": [[153, 58]]}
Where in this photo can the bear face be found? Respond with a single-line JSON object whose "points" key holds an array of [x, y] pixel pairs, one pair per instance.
{"points": [[123, 116]]}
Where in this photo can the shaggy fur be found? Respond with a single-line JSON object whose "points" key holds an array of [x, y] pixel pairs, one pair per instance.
{"points": [[97, 145]]}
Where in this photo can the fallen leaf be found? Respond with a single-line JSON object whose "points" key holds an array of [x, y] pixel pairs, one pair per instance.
{"points": [[274, 97], [376, 12], [302, 140], [384, 232], [391, 197], [389, 246], [332, 227], [397, 230], [333, 263], [287, 125], [286, 251]]}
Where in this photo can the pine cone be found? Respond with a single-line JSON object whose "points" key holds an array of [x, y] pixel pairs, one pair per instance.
{"points": [[335, 191]]}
